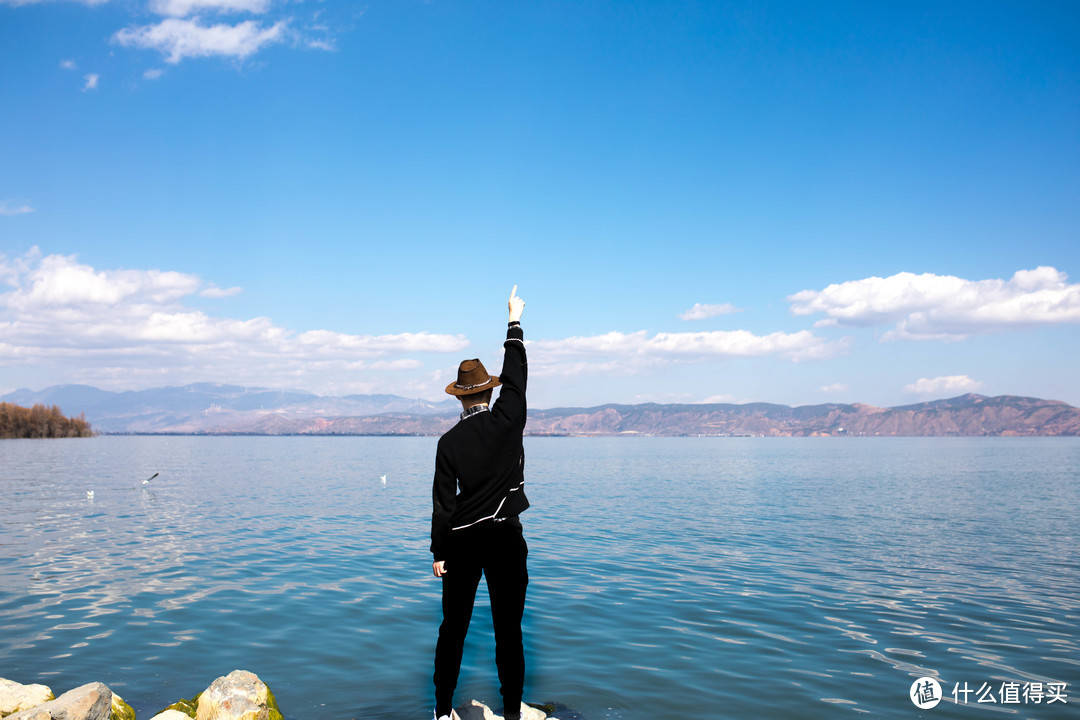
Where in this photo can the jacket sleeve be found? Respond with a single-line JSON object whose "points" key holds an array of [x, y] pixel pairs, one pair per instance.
{"points": [[444, 496], [514, 377]]}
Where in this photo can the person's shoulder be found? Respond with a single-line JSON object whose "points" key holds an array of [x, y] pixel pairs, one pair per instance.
{"points": [[451, 435], [446, 438]]}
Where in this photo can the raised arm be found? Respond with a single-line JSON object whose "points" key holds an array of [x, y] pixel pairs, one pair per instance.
{"points": [[515, 370]]}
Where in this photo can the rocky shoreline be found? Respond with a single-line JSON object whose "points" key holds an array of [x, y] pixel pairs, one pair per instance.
{"points": [[240, 695]]}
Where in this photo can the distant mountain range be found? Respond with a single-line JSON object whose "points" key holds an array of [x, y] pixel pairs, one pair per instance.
{"points": [[967, 415], [209, 408], [216, 408]]}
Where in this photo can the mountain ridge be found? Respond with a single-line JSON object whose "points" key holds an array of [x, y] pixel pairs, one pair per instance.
{"points": [[210, 407], [218, 408]]}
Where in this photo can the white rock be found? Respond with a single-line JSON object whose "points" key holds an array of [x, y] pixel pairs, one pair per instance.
{"points": [[16, 696], [476, 710], [170, 715], [240, 695], [92, 701]]}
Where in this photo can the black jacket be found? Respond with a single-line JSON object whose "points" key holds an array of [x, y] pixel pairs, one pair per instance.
{"points": [[480, 462]]}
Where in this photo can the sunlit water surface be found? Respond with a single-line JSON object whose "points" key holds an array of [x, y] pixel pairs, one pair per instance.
{"points": [[670, 578]]}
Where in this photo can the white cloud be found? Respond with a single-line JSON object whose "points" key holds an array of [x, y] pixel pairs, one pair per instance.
{"points": [[183, 8], [691, 347], [215, 292], [945, 307], [399, 364], [11, 270], [91, 82], [943, 385], [188, 30], [59, 281], [609, 343], [131, 326], [177, 39], [542, 368], [723, 399], [834, 388], [14, 207], [333, 343], [153, 74], [701, 312]]}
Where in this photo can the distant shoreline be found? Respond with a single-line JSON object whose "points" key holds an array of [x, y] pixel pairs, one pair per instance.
{"points": [[221, 410], [626, 436]]}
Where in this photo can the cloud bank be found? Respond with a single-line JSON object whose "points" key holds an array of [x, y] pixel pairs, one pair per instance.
{"points": [[127, 328], [945, 307], [685, 347], [136, 327]]}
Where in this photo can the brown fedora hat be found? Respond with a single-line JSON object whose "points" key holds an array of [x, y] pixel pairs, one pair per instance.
{"points": [[472, 378]]}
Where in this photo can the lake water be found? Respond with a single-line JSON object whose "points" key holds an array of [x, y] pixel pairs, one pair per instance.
{"points": [[670, 578]]}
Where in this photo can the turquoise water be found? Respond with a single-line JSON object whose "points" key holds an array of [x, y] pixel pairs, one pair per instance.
{"points": [[670, 578]]}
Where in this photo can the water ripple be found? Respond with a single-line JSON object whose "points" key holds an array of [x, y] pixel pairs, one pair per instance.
{"points": [[746, 578]]}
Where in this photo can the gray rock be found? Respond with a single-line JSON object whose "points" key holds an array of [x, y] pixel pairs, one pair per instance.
{"points": [[16, 696], [92, 701], [240, 695], [170, 715], [476, 710]]}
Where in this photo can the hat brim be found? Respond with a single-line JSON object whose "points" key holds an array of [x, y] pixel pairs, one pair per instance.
{"points": [[493, 381]]}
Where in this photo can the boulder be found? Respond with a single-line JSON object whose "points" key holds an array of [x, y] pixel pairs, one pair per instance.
{"points": [[92, 701], [120, 710], [16, 696], [476, 710], [240, 695], [171, 715], [185, 707]]}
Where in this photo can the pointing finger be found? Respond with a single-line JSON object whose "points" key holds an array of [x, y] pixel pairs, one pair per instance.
{"points": [[513, 293]]}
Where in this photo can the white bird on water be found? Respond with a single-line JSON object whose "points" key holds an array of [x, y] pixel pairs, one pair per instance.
{"points": [[383, 478], [89, 494], [147, 480]]}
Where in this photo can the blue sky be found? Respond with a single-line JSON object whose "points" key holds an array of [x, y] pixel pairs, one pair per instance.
{"points": [[865, 202]]}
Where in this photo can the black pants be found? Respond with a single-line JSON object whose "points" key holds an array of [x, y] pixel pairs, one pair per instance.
{"points": [[498, 551]]}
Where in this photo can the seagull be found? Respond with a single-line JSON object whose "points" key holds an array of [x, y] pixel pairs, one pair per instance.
{"points": [[147, 480], [383, 478], [89, 494]]}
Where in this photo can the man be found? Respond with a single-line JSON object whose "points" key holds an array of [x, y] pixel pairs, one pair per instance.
{"points": [[478, 492]]}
